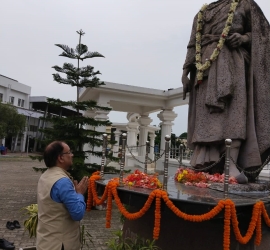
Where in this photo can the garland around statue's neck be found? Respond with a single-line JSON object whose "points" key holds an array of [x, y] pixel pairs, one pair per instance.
{"points": [[201, 67]]}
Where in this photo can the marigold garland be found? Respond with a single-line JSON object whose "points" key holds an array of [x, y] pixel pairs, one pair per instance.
{"points": [[92, 194], [258, 237], [110, 192], [194, 218], [265, 216], [136, 215], [227, 223], [157, 216], [109, 209], [252, 225]]}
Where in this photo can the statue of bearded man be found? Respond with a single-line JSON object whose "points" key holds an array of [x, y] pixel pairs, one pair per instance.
{"points": [[231, 97]]}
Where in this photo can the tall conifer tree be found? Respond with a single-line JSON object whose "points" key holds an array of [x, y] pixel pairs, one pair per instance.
{"points": [[72, 129]]}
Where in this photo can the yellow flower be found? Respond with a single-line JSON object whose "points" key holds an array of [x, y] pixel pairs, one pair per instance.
{"points": [[179, 177], [182, 175]]}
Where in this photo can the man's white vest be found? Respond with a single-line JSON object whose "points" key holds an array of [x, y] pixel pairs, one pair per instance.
{"points": [[55, 225]]}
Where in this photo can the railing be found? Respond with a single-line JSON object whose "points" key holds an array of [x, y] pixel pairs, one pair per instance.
{"points": [[179, 154], [175, 153]]}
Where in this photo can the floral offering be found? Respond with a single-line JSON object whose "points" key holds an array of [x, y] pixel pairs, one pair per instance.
{"points": [[140, 179], [199, 179]]}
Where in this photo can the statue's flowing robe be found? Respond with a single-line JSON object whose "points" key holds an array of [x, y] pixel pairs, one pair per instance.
{"points": [[233, 101]]}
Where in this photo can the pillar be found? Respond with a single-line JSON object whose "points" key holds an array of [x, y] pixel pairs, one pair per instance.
{"points": [[100, 115], [132, 130], [152, 144], [37, 135], [6, 98], [3, 141], [167, 117], [144, 122], [24, 137], [43, 121], [117, 134]]}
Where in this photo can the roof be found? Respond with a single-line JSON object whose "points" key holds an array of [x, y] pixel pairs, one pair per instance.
{"points": [[40, 103]]}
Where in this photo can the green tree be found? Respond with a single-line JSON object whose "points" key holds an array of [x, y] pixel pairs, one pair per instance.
{"points": [[72, 129], [183, 136], [11, 123], [173, 139]]}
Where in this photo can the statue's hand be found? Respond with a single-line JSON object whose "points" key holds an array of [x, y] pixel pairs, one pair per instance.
{"points": [[186, 83], [235, 40]]}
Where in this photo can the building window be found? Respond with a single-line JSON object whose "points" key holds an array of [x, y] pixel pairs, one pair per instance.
{"points": [[22, 104], [33, 128], [11, 99], [1, 97], [19, 102]]}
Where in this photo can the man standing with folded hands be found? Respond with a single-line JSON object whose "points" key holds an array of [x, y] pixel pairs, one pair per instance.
{"points": [[61, 202]]}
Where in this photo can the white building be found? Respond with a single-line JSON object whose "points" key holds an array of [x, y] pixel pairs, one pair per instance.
{"points": [[33, 107], [11, 91], [17, 94]]}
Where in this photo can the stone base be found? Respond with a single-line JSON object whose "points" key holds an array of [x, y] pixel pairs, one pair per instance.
{"points": [[176, 233], [249, 189]]}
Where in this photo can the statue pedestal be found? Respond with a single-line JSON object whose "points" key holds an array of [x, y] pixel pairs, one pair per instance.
{"points": [[176, 233]]}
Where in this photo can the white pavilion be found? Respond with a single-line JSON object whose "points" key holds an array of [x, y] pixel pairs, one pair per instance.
{"points": [[138, 103]]}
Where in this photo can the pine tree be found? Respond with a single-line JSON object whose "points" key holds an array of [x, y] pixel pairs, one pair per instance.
{"points": [[72, 129]]}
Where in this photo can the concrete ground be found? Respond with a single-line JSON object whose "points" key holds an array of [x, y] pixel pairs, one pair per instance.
{"points": [[18, 183]]}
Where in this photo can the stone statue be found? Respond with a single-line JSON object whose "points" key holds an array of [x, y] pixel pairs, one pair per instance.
{"points": [[227, 72]]}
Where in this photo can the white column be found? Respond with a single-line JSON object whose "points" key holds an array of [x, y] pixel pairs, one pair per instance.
{"points": [[37, 135], [14, 148], [26, 102], [3, 141], [167, 117], [23, 139], [100, 115], [132, 130], [7, 93], [144, 121], [117, 134], [152, 144]]}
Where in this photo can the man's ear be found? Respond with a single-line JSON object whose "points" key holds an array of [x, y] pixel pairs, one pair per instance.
{"points": [[60, 158]]}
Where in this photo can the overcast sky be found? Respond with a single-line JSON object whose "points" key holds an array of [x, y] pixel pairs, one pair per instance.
{"points": [[143, 41]]}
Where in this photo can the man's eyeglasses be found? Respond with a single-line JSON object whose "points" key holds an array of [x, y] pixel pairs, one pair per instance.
{"points": [[67, 153]]}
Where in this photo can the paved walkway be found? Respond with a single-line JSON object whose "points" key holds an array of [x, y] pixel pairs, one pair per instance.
{"points": [[18, 183]]}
